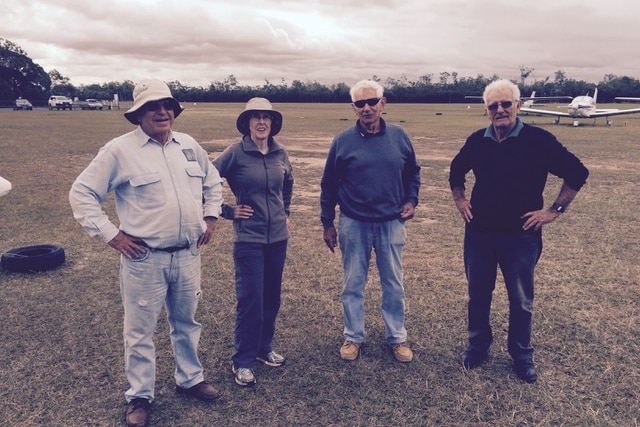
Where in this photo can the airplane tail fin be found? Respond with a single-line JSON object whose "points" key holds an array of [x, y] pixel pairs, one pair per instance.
{"points": [[530, 100], [595, 95]]}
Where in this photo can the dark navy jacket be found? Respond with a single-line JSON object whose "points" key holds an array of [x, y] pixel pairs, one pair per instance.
{"points": [[510, 176]]}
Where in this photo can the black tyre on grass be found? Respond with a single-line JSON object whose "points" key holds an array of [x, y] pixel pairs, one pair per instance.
{"points": [[33, 258]]}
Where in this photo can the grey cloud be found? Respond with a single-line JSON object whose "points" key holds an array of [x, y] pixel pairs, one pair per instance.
{"points": [[198, 41]]}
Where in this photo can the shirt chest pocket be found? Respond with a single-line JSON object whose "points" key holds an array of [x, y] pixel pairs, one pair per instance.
{"points": [[196, 178], [148, 190]]}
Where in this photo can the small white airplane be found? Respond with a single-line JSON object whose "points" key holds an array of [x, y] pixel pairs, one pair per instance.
{"points": [[582, 107], [527, 101]]}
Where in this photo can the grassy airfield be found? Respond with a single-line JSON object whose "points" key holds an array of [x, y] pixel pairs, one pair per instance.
{"points": [[62, 340]]}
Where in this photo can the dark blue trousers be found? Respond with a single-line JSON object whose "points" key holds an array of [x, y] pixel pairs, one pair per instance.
{"points": [[259, 270], [517, 255]]}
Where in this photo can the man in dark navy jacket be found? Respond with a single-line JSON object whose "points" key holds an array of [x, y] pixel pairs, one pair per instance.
{"points": [[510, 161]]}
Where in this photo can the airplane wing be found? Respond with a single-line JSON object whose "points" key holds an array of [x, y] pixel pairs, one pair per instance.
{"points": [[525, 98], [597, 113], [627, 98], [544, 112], [606, 113], [559, 97]]}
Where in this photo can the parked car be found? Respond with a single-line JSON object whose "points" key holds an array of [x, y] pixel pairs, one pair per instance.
{"points": [[91, 104], [22, 104], [60, 102]]}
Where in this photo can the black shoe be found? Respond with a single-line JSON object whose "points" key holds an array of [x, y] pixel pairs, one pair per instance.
{"points": [[472, 359], [526, 371]]}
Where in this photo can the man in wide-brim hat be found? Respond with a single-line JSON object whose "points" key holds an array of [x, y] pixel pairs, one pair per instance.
{"points": [[150, 91], [168, 196]]}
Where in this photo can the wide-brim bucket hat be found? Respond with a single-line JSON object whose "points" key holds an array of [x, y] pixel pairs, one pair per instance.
{"points": [[259, 104], [147, 91]]}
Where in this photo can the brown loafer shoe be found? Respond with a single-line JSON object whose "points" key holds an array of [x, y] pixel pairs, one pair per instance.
{"points": [[201, 391], [138, 411], [402, 352]]}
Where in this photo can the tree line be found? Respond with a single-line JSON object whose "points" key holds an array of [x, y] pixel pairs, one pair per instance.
{"points": [[21, 77]]}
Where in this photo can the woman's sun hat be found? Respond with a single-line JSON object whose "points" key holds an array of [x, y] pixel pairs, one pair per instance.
{"points": [[259, 104]]}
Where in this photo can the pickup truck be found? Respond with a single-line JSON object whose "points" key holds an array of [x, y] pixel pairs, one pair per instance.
{"points": [[60, 102]]}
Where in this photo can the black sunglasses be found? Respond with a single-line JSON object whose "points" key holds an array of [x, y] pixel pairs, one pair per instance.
{"points": [[503, 104], [371, 102], [168, 104]]}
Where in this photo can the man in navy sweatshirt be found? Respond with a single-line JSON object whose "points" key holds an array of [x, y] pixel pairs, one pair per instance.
{"points": [[372, 173]]}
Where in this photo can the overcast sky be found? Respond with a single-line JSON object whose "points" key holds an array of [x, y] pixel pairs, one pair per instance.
{"points": [[197, 42]]}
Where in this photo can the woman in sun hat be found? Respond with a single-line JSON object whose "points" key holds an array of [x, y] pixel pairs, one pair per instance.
{"points": [[258, 171]]}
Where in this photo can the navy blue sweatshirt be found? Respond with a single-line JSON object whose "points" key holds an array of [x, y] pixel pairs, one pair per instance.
{"points": [[370, 176]]}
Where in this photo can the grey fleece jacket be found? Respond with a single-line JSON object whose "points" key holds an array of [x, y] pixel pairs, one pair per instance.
{"points": [[264, 182]]}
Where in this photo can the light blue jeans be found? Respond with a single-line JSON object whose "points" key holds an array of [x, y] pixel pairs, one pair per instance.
{"points": [[156, 280], [357, 239]]}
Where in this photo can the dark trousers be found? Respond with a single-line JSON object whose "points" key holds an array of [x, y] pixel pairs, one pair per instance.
{"points": [[516, 255], [259, 270]]}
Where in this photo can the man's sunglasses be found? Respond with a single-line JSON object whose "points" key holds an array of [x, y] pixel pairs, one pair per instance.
{"points": [[503, 104], [168, 104], [371, 102]]}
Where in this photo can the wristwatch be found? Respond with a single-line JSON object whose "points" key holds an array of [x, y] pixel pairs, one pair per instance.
{"points": [[558, 208]]}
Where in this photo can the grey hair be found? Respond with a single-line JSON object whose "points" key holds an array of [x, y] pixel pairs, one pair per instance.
{"points": [[366, 84], [499, 85]]}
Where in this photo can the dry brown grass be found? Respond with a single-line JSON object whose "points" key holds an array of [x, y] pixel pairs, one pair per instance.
{"points": [[61, 338]]}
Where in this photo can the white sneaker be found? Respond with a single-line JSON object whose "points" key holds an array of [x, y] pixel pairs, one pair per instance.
{"points": [[243, 376], [272, 359]]}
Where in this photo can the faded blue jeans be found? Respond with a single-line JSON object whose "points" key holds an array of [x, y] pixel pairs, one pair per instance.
{"points": [[517, 255], [156, 280], [357, 239]]}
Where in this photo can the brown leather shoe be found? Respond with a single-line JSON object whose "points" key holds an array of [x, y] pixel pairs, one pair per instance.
{"points": [[201, 391], [350, 350], [138, 411], [402, 352]]}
